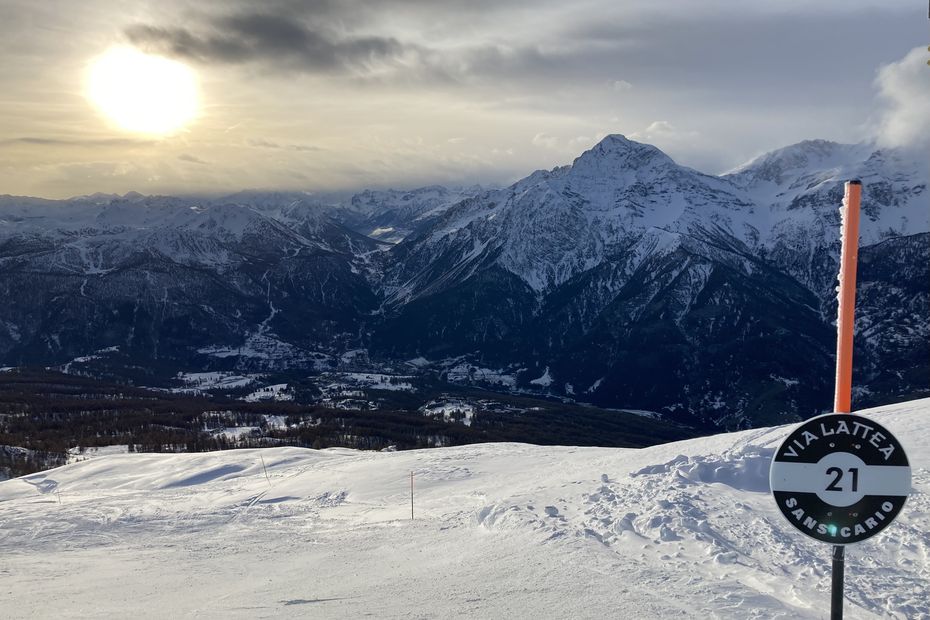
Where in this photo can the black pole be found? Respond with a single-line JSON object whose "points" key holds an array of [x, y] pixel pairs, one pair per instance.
{"points": [[836, 598]]}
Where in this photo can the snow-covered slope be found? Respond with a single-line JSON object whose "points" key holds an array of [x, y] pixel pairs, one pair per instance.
{"points": [[686, 529]]}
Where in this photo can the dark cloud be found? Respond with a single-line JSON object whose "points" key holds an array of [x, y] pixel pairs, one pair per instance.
{"points": [[282, 42], [324, 37]]}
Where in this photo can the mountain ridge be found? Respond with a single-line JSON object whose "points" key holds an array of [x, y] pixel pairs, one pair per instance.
{"points": [[623, 275]]}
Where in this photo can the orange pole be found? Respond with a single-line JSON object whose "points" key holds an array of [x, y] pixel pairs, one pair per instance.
{"points": [[846, 313]]}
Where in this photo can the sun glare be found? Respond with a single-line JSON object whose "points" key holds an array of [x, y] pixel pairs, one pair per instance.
{"points": [[143, 93]]}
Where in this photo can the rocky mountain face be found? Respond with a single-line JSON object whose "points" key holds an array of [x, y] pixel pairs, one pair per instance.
{"points": [[623, 279]]}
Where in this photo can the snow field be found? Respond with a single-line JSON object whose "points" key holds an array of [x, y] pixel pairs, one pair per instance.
{"points": [[501, 530]]}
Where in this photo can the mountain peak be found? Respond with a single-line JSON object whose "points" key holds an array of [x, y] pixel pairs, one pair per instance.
{"points": [[615, 152], [778, 165], [617, 142]]}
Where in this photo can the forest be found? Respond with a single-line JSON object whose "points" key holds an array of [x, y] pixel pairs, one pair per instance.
{"points": [[47, 415]]}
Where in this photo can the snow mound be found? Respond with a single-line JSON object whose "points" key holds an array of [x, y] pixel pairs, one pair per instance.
{"points": [[746, 469]]}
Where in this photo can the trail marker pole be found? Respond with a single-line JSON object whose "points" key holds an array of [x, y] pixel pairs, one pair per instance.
{"points": [[846, 295], [411, 496], [845, 323], [265, 469]]}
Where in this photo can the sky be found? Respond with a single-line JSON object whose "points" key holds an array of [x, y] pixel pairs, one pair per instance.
{"points": [[340, 95]]}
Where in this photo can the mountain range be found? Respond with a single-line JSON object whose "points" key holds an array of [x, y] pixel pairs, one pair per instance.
{"points": [[623, 280]]}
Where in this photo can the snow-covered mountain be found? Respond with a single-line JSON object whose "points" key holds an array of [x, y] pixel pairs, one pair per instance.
{"points": [[162, 277], [686, 529], [630, 278], [798, 187], [554, 225], [623, 279], [391, 215]]}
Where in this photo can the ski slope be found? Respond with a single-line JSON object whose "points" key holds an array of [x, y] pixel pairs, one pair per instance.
{"points": [[684, 530]]}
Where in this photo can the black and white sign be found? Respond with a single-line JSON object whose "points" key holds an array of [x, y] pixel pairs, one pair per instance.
{"points": [[840, 478]]}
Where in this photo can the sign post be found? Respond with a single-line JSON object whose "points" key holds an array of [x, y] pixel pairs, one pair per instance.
{"points": [[841, 479], [836, 582], [845, 321]]}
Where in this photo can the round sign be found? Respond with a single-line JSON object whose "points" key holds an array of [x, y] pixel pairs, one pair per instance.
{"points": [[840, 478]]}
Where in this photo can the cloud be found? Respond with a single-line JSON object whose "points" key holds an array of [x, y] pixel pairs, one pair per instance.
{"points": [[545, 140], [490, 47], [581, 143], [663, 131], [566, 148], [683, 145], [191, 159], [280, 42], [660, 127], [903, 87], [528, 84], [391, 40]]}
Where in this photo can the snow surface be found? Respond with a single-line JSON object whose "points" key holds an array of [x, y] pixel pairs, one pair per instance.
{"points": [[686, 529]]}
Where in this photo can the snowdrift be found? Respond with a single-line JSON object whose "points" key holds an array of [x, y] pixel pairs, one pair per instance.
{"points": [[500, 530]]}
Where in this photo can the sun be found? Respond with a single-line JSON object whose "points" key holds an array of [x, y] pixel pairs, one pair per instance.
{"points": [[143, 93]]}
